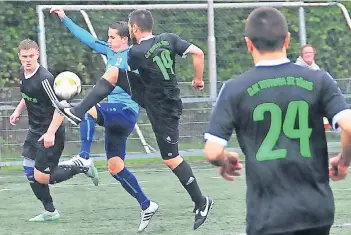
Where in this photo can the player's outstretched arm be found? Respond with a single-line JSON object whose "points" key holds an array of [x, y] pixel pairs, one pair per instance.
{"points": [[17, 113], [84, 36]]}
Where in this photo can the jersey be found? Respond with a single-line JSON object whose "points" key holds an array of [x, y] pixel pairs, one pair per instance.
{"points": [[37, 91], [114, 58], [154, 58], [277, 112]]}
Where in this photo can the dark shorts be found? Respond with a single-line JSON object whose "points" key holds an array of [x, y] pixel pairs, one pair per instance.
{"points": [[166, 129], [45, 158], [119, 121], [325, 230]]}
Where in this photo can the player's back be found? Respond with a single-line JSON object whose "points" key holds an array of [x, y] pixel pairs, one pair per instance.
{"points": [[279, 125], [154, 58], [35, 90]]}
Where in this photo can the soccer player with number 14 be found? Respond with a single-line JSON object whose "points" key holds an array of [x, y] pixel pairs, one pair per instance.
{"points": [[156, 90]]}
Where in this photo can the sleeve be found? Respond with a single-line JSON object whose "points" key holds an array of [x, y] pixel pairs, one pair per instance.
{"points": [[47, 84], [333, 102], [223, 121], [85, 37], [132, 60], [180, 46]]}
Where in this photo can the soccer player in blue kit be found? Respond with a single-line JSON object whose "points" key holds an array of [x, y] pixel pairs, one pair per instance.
{"points": [[119, 115]]}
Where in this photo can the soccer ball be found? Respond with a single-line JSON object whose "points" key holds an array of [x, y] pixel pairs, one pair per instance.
{"points": [[67, 85]]}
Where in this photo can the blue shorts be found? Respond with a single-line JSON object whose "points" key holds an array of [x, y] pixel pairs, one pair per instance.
{"points": [[119, 121]]}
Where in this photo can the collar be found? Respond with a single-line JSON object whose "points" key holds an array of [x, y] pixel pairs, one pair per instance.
{"points": [[272, 62], [26, 76], [146, 38], [120, 51]]}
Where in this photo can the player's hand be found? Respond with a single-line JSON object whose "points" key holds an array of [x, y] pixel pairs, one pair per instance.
{"points": [[14, 118], [231, 166], [59, 11], [198, 84], [48, 139], [337, 170]]}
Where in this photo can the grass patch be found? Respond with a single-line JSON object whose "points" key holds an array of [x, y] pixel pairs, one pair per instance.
{"points": [[102, 164]]}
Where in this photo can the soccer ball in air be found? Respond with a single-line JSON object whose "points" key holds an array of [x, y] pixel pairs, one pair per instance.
{"points": [[67, 85]]}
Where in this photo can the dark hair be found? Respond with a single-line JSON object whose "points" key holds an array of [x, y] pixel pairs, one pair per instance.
{"points": [[143, 19], [122, 28], [267, 28], [27, 44], [307, 45]]}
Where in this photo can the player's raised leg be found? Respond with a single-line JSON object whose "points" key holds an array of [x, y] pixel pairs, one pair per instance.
{"points": [[86, 137], [49, 172], [102, 88]]}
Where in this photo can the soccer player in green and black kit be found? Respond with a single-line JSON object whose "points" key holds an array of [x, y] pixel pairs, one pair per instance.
{"points": [[277, 110], [45, 138]]}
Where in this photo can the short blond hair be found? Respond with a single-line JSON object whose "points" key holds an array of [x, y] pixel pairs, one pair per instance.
{"points": [[27, 44]]}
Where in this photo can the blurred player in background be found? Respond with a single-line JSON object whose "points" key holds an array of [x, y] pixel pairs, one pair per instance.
{"points": [[158, 92], [42, 148], [118, 116], [277, 110]]}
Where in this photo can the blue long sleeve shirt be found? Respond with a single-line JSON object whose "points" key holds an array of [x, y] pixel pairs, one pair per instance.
{"points": [[114, 58]]}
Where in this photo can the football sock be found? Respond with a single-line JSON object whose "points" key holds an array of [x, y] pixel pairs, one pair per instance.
{"points": [[187, 179], [87, 130], [94, 96], [131, 185], [42, 192], [63, 173]]}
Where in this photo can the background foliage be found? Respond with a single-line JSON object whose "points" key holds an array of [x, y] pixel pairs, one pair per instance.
{"points": [[326, 30]]}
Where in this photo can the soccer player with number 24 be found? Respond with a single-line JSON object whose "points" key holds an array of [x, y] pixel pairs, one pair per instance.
{"points": [[277, 110]]}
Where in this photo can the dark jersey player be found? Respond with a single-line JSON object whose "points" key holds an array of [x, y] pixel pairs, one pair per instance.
{"points": [[277, 110], [157, 91], [42, 148]]}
